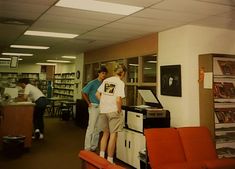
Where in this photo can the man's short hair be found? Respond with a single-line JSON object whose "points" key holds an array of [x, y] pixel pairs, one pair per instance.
{"points": [[103, 69], [24, 80]]}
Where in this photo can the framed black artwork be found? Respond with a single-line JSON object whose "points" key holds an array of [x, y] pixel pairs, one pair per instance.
{"points": [[171, 80]]}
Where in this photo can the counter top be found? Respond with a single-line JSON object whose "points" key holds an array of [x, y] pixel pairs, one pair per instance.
{"points": [[17, 104]]}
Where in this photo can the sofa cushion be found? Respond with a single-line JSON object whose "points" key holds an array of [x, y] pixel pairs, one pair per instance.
{"points": [[197, 143], [183, 165], [163, 146], [221, 164]]}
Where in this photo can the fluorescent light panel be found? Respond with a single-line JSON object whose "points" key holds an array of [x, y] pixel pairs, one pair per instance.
{"points": [[29, 47], [98, 6], [59, 61], [52, 64], [69, 57], [51, 34], [9, 59], [133, 64], [17, 54], [152, 61]]}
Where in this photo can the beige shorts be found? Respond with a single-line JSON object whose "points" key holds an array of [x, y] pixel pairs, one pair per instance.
{"points": [[111, 121]]}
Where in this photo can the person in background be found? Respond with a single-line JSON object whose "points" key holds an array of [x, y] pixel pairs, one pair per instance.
{"points": [[88, 94], [33, 93], [111, 92]]}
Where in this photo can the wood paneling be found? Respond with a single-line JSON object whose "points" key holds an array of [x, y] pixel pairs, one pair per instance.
{"points": [[138, 47]]}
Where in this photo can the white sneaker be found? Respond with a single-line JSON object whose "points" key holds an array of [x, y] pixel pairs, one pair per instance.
{"points": [[41, 136], [37, 133]]}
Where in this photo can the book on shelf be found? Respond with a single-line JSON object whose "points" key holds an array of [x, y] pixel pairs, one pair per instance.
{"points": [[225, 115], [223, 90], [227, 67]]}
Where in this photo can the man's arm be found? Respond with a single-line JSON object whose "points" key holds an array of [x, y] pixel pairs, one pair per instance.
{"points": [[98, 95], [86, 98], [22, 98], [119, 104]]}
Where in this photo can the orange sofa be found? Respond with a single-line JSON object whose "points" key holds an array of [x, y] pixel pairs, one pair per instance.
{"points": [[183, 148], [93, 161]]}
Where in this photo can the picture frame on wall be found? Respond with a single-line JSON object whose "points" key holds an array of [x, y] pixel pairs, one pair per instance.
{"points": [[171, 80]]}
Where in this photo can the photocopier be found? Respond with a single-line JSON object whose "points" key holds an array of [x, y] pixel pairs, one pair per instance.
{"points": [[150, 115]]}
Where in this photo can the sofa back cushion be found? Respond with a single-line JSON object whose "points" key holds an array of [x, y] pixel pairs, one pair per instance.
{"points": [[197, 143], [163, 146]]}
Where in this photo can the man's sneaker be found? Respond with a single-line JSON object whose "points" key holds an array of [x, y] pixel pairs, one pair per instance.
{"points": [[37, 133], [41, 136]]}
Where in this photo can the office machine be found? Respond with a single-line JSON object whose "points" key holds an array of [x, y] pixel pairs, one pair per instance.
{"points": [[150, 115]]}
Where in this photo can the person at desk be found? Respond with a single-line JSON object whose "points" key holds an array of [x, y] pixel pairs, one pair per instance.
{"points": [[110, 94], [88, 94], [40, 101]]}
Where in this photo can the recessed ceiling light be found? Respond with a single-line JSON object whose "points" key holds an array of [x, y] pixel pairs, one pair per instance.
{"points": [[9, 59], [18, 54], [59, 61], [29, 47], [52, 64], [51, 34], [69, 57], [98, 6]]}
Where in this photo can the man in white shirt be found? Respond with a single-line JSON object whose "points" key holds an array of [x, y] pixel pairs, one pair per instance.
{"points": [[40, 101], [111, 92]]}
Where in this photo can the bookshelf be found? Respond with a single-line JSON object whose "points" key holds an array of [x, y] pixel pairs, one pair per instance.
{"points": [[64, 85], [9, 79]]}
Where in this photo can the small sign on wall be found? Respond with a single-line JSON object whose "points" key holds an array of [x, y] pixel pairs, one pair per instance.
{"points": [[14, 62], [207, 82]]}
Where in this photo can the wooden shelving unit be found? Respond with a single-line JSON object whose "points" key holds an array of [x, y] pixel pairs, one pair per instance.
{"points": [[64, 85], [217, 105]]}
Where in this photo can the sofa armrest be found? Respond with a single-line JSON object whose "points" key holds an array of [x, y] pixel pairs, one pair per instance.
{"points": [[92, 160], [220, 164], [114, 166]]}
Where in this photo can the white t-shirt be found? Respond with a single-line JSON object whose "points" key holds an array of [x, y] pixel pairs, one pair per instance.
{"points": [[110, 89], [33, 92]]}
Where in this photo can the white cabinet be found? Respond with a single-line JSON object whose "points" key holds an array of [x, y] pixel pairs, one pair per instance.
{"points": [[129, 144]]}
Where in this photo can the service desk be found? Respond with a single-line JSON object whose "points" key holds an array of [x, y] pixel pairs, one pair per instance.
{"points": [[16, 119]]}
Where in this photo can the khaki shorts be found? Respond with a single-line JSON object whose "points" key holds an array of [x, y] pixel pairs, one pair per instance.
{"points": [[111, 121]]}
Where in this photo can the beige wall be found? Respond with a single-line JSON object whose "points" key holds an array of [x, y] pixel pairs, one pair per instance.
{"points": [[182, 46], [22, 68], [138, 47]]}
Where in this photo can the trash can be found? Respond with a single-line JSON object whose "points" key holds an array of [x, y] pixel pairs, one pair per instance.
{"points": [[13, 146]]}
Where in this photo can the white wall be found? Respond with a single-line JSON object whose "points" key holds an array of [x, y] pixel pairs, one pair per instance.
{"points": [[182, 46], [64, 67]]}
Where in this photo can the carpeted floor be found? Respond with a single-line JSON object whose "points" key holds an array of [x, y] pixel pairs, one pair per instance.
{"points": [[59, 149]]}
